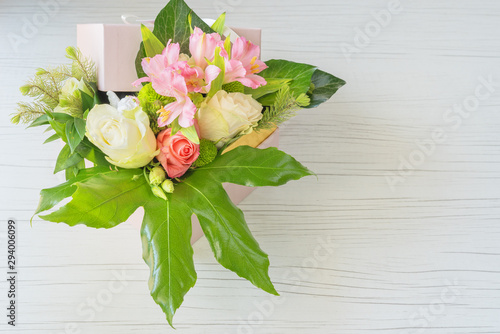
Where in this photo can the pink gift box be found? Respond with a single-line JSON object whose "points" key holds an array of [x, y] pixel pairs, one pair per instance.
{"points": [[114, 47]]}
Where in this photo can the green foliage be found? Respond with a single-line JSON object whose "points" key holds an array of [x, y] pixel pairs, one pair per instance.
{"points": [[52, 196], [166, 234], [29, 112], [223, 223], [234, 87], [45, 88], [82, 67], [323, 86], [67, 159], [172, 23], [74, 135], [104, 200], [285, 107], [299, 76], [208, 152], [273, 85]]}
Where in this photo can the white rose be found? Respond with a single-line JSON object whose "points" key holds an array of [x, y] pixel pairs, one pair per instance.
{"points": [[227, 115], [124, 136]]}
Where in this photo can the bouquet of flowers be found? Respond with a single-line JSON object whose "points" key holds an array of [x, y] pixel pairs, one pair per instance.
{"points": [[165, 148]]}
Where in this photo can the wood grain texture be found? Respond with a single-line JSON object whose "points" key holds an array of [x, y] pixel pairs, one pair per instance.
{"points": [[420, 257]]}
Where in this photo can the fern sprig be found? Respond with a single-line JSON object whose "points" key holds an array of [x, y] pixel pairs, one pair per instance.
{"points": [[82, 67], [28, 112], [285, 107]]}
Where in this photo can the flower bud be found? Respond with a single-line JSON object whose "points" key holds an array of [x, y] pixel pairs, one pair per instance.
{"points": [[157, 176], [158, 192], [168, 186]]}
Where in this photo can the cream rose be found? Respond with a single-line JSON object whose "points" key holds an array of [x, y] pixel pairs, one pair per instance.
{"points": [[227, 115], [124, 136]]}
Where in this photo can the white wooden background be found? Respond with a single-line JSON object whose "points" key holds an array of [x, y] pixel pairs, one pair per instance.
{"points": [[420, 257]]}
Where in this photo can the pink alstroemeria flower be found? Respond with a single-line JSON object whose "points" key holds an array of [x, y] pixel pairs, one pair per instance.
{"points": [[198, 80], [202, 47], [245, 64], [157, 64], [171, 83]]}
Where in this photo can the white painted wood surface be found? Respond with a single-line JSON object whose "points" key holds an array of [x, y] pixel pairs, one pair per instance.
{"points": [[422, 257]]}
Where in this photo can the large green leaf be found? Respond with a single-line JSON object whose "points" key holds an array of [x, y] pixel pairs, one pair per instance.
{"points": [[299, 74], [223, 223], [324, 85], [104, 200], [252, 167], [52, 196], [172, 23], [166, 235], [224, 226]]}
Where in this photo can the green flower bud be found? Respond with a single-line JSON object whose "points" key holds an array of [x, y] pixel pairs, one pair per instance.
{"points": [[151, 101], [168, 186], [208, 152], [234, 87], [157, 176], [158, 192]]}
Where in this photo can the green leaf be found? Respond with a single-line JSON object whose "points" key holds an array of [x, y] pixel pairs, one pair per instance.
{"points": [[219, 24], [191, 134], [248, 166], [51, 138], [42, 120], [104, 200], [152, 44], [59, 128], [324, 85], [52, 196], [273, 85], [217, 83], [90, 152], [73, 136], [62, 117], [299, 74], [228, 46], [88, 102], [172, 23], [166, 234], [175, 127], [73, 171], [80, 125], [66, 159]]}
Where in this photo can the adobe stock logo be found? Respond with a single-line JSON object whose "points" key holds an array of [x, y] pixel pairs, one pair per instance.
{"points": [[30, 26], [453, 119], [372, 29]]}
